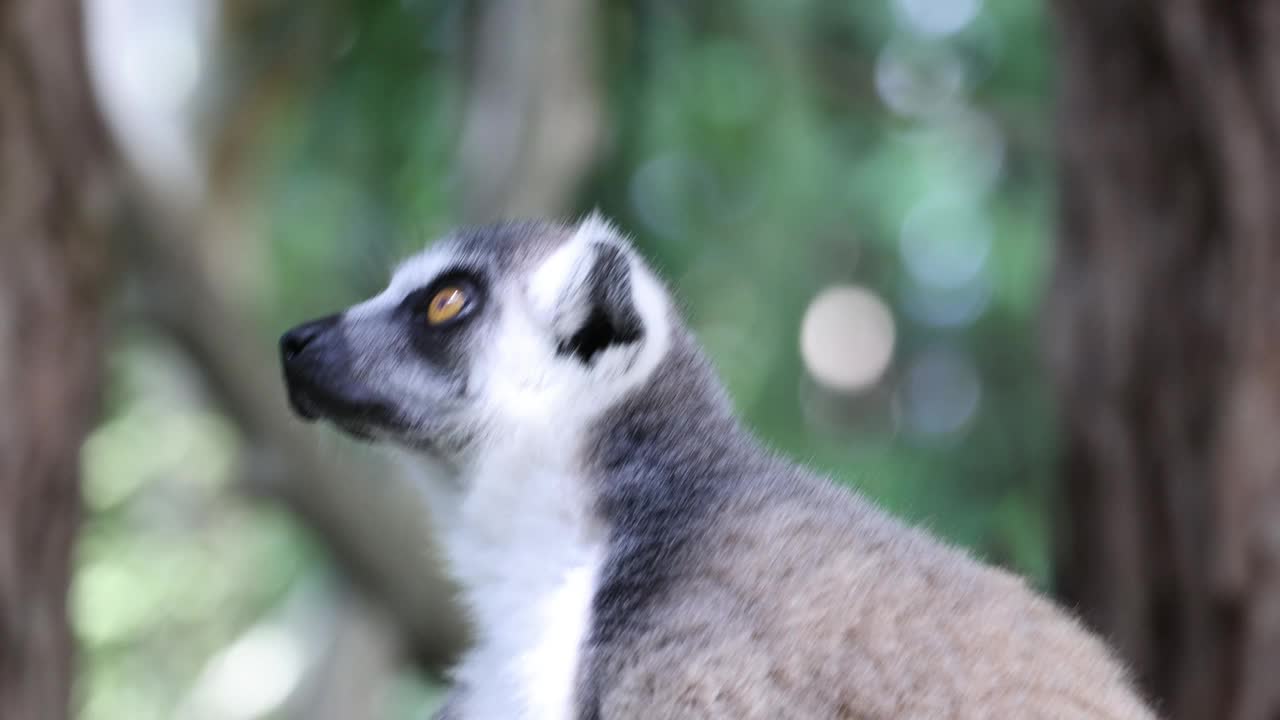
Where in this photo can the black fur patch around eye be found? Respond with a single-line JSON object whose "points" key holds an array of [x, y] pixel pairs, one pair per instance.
{"points": [[612, 318], [415, 303], [443, 345]]}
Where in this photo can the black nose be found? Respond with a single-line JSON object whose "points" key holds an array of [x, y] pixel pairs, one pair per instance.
{"points": [[296, 340]]}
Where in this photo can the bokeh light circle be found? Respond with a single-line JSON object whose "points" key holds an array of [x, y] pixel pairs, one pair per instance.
{"points": [[847, 338]]}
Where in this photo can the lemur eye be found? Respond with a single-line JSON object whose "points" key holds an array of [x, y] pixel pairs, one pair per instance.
{"points": [[446, 304]]}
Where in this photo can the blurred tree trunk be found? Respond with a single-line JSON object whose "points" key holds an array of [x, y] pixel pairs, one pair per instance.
{"points": [[1165, 341], [533, 120], [51, 267]]}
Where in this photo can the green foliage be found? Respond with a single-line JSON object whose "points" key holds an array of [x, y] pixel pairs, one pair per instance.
{"points": [[757, 164], [167, 551]]}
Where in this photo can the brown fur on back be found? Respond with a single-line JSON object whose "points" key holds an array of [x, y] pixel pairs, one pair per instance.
{"points": [[807, 602]]}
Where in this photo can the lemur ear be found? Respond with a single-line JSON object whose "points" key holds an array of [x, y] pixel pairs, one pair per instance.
{"points": [[584, 291]]}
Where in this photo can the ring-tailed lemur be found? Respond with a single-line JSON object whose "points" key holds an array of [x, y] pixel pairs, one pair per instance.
{"points": [[626, 549]]}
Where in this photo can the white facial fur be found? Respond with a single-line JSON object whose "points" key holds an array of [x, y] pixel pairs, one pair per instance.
{"points": [[533, 386], [515, 515]]}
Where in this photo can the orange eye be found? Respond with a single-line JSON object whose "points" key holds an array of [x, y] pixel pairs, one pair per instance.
{"points": [[446, 305]]}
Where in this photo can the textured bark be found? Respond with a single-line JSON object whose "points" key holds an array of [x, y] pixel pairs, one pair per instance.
{"points": [[1165, 341], [52, 200]]}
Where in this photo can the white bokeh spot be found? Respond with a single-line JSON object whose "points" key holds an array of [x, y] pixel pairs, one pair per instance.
{"points": [[847, 338]]}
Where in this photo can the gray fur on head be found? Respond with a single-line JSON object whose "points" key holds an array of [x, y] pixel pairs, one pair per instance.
{"points": [[549, 306]]}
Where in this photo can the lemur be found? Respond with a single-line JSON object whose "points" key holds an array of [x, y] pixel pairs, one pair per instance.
{"points": [[625, 548]]}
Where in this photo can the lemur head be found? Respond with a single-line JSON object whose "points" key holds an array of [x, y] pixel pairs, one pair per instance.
{"points": [[492, 333]]}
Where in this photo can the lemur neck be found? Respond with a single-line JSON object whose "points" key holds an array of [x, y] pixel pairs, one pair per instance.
{"points": [[680, 420], [536, 504], [518, 512], [525, 548], [538, 534]]}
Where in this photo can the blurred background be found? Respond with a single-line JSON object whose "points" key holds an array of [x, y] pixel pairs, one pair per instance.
{"points": [[850, 199], [975, 258]]}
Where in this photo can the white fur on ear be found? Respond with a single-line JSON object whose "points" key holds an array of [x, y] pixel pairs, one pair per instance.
{"points": [[596, 227], [558, 282], [602, 304], [559, 288]]}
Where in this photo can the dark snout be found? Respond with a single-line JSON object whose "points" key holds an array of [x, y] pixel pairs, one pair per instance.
{"points": [[308, 353], [319, 380]]}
